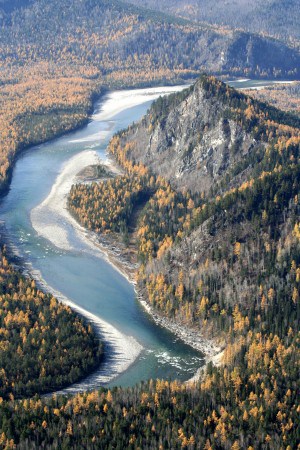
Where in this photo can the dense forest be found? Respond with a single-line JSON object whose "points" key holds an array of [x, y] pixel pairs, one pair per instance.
{"points": [[107, 206], [43, 344], [224, 261], [279, 18], [249, 403]]}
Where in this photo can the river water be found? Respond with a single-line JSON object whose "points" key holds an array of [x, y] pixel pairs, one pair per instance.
{"points": [[60, 256]]}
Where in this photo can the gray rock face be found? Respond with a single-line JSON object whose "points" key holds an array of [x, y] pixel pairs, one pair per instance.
{"points": [[195, 145]]}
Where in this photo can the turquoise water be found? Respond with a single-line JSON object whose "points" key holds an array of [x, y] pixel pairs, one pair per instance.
{"points": [[86, 279]]}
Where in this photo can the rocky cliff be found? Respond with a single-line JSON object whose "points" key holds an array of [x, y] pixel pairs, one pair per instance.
{"points": [[195, 144], [206, 137]]}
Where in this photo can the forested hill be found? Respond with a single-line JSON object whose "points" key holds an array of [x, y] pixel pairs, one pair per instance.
{"points": [[107, 34], [275, 17], [230, 209], [278, 18], [209, 137], [221, 258]]}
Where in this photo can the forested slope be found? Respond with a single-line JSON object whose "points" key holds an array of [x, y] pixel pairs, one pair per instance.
{"points": [[43, 344], [278, 18], [108, 34], [283, 96], [222, 257], [223, 172], [274, 17]]}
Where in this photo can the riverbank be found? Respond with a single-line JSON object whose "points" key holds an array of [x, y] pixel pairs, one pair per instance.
{"points": [[47, 219], [120, 350], [116, 253], [54, 132], [115, 256], [50, 220]]}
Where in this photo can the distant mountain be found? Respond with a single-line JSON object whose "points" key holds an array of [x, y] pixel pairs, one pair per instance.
{"points": [[279, 18], [111, 35]]}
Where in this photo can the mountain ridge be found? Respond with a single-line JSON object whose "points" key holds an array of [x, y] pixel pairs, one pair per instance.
{"points": [[228, 50]]}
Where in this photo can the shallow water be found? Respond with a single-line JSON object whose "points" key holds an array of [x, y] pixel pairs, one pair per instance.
{"points": [[76, 270]]}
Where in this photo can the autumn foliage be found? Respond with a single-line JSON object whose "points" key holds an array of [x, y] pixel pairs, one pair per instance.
{"points": [[43, 344]]}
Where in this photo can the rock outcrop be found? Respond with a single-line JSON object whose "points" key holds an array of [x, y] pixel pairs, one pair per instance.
{"points": [[194, 143]]}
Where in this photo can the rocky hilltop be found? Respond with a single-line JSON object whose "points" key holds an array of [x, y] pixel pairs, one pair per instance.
{"points": [[192, 143], [206, 137]]}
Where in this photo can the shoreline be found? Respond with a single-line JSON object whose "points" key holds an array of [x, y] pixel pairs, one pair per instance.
{"points": [[115, 343], [120, 351], [110, 250], [96, 96], [113, 254], [191, 337], [127, 269]]}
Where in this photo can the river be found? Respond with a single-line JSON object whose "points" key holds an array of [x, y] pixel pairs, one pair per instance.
{"points": [[59, 255], [66, 263]]}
